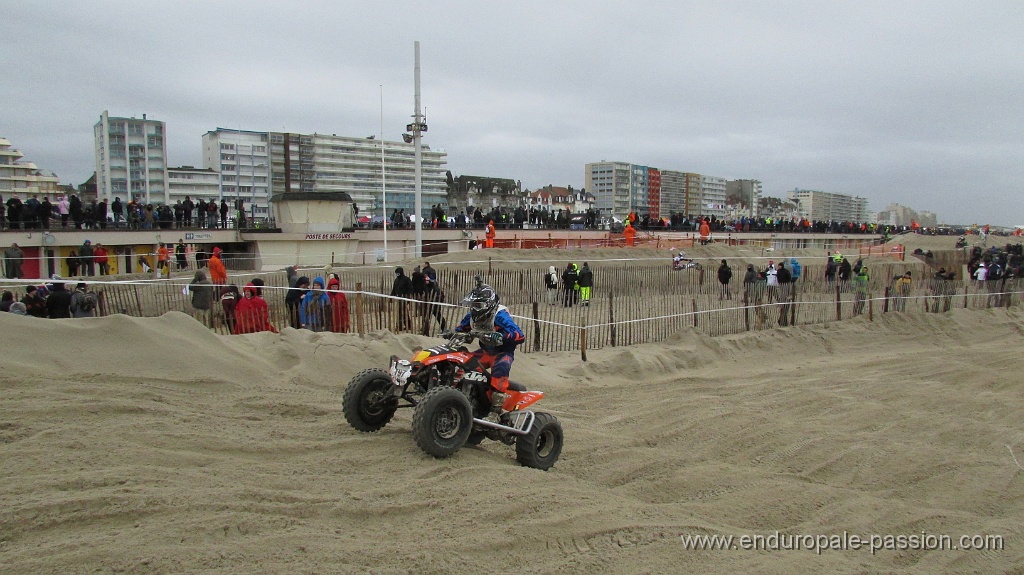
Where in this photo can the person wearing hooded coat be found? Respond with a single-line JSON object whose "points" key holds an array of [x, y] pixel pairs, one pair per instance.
{"points": [[551, 283], [796, 269], [293, 300], [35, 303], [724, 277], [586, 283], [58, 303], [6, 300], [202, 292], [314, 311], [402, 287], [749, 280], [218, 273], [251, 312], [569, 278], [339, 306]]}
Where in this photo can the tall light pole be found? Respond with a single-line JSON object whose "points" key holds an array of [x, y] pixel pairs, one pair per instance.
{"points": [[417, 128], [383, 185]]}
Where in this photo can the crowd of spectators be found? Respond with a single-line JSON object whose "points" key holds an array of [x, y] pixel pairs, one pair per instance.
{"points": [[72, 212]]}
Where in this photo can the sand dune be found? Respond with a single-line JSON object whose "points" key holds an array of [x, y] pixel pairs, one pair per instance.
{"points": [[153, 446]]}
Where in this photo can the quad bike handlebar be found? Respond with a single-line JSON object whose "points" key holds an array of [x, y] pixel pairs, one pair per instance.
{"points": [[457, 338]]}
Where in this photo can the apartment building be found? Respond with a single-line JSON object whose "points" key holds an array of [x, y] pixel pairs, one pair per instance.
{"points": [[369, 170], [241, 161], [620, 188], [673, 193], [610, 182], [194, 183], [18, 176], [694, 198], [131, 159], [824, 206], [749, 193], [654, 193], [712, 194]]}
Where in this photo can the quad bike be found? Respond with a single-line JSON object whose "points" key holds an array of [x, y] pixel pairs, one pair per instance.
{"points": [[686, 265], [448, 390]]}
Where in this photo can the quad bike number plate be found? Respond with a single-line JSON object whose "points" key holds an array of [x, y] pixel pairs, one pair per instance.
{"points": [[400, 371]]}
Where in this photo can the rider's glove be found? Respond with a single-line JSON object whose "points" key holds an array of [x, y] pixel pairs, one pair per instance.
{"points": [[491, 339], [448, 333]]}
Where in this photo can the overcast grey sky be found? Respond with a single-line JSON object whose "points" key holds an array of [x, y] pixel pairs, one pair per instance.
{"points": [[913, 102]]}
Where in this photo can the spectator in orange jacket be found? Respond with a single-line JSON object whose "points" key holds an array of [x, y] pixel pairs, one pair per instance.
{"points": [[489, 233], [163, 260], [705, 232], [218, 273], [630, 233], [339, 306], [251, 313]]}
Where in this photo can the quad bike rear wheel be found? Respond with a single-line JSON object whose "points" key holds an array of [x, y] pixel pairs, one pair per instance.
{"points": [[368, 403], [442, 421], [540, 447]]}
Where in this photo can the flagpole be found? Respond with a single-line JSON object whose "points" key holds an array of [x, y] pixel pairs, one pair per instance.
{"points": [[383, 185]]}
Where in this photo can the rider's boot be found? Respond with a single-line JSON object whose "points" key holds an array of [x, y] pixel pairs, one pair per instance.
{"points": [[498, 395]]}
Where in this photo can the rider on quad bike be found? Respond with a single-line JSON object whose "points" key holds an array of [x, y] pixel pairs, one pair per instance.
{"points": [[498, 344], [681, 260]]}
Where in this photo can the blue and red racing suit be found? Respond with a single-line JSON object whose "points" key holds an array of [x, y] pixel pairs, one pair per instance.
{"points": [[497, 358]]}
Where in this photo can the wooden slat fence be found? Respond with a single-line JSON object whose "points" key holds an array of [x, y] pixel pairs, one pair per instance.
{"points": [[631, 303]]}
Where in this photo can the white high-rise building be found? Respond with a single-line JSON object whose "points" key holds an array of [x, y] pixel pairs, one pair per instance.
{"points": [[24, 178], [821, 206], [193, 183], [131, 159], [712, 191], [241, 160], [615, 187], [367, 169]]}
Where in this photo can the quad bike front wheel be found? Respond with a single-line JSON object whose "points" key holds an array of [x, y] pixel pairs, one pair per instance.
{"points": [[442, 421], [368, 403], [540, 447]]}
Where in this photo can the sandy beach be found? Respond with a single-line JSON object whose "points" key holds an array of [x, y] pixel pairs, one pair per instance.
{"points": [[151, 445]]}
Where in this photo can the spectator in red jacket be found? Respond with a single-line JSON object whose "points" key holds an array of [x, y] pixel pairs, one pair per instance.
{"points": [[339, 306], [251, 314], [99, 255]]}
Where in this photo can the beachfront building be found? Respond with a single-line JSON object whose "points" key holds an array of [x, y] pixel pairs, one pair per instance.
{"points": [[131, 159], [241, 160], [367, 169], [610, 184], [673, 193], [18, 176], [899, 215], [748, 192], [654, 193], [694, 199], [194, 183], [712, 194], [826, 206], [639, 188], [620, 188]]}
